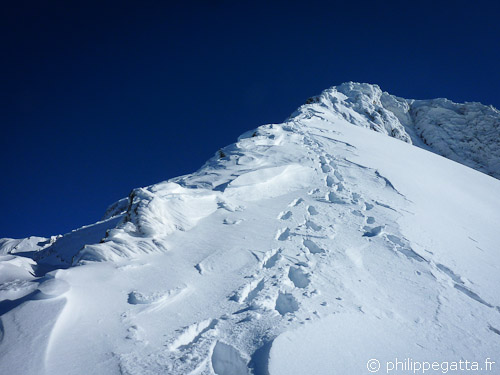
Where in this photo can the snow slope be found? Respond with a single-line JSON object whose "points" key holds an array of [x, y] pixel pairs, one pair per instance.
{"points": [[312, 247]]}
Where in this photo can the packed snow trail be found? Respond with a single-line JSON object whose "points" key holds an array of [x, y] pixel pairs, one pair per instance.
{"points": [[313, 246]]}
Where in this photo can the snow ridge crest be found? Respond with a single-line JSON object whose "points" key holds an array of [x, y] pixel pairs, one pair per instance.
{"points": [[468, 133]]}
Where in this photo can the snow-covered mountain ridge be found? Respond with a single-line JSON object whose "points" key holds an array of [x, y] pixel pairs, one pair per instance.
{"points": [[310, 246], [468, 133]]}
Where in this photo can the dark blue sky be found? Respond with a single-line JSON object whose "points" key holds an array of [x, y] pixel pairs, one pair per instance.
{"points": [[101, 97]]}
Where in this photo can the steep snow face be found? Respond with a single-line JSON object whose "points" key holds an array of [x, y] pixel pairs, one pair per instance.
{"points": [[312, 247], [468, 133]]}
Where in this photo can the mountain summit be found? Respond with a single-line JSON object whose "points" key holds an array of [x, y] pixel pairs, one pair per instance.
{"points": [[307, 247], [467, 133]]}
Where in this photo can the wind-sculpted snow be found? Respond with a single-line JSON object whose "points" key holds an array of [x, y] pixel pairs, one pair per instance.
{"points": [[269, 182], [30, 244], [308, 247], [468, 133], [358, 104]]}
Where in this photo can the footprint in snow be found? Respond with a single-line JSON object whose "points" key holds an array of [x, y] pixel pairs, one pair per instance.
{"points": [[286, 303], [298, 277], [312, 225], [334, 198], [138, 298], [227, 360], [357, 213], [190, 335], [312, 247], [339, 187], [296, 202], [283, 234], [355, 197], [271, 258], [312, 210], [285, 215], [373, 232], [248, 292], [325, 168], [329, 181]]}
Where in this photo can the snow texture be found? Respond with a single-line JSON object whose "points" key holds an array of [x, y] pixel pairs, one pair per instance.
{"points": [[468, 133], [310, 247]]}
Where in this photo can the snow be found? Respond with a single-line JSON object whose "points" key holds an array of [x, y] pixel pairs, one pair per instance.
{"points": [[269, 182], [468, 133], [227, 361], [33, 243], [312, 247], [344, 343]]}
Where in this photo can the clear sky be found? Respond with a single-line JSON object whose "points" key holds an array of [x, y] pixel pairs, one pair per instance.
{"points": [[100, 97]]}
